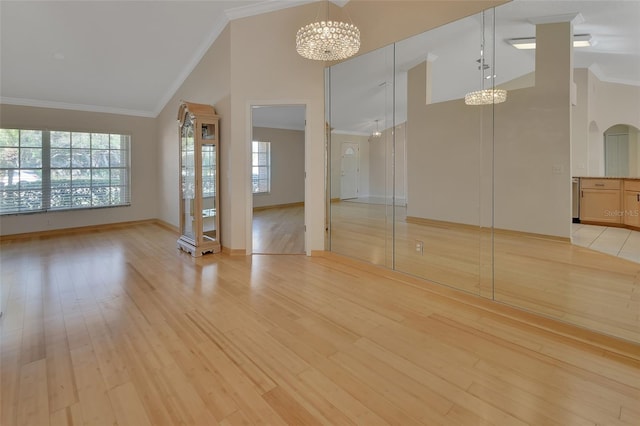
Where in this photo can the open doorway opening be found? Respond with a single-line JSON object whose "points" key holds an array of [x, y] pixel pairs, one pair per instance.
{"points": [[278, 178], [621, 151]]}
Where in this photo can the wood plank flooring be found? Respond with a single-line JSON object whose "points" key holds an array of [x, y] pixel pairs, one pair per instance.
{"points": [[117, 327], [554, 278], [279, 230]]}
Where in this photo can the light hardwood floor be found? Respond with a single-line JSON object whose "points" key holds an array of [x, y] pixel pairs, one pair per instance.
{"points": [[118, 327], [278, 230], [555, 278]]}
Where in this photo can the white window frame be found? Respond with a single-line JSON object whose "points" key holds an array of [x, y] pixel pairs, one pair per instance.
{"points": [[255, 150], [99, 172]]}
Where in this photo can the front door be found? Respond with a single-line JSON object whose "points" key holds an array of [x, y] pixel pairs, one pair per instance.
{"points": [[349, 171]]}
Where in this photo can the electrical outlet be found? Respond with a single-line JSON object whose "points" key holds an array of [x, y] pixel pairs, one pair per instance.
{"points": [[420, 247]]}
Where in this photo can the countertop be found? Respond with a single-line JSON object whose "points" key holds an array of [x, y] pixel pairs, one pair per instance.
{"points": [[606, 177]]}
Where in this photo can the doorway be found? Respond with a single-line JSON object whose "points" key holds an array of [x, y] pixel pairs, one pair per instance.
{"points": [[621, 151], [278, 179], [349, 171]]}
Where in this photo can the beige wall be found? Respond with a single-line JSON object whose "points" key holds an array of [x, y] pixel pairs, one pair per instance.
{"points": [[144, 169], [450, 160], [600, 105], [266, 69], [532, 187], [580, 124], [611, 104], [209, 83], [384, 22], [244, 67], [443, 151], [253, 61], [382, 169], [287, 166]]}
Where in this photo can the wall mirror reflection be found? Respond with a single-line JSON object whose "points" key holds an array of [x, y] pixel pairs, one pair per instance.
{"points": [[486, 198]]}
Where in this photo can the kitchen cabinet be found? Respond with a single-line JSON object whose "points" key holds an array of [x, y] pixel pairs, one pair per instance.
{"points": [[631, 203], [600, 201]]}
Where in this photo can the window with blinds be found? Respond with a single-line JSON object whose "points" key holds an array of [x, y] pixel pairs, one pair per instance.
{"points": [[261, 167], [43, 170]]}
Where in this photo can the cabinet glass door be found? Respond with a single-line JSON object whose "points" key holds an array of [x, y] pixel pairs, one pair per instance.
{"points": [[188, 176], [209, 213]]}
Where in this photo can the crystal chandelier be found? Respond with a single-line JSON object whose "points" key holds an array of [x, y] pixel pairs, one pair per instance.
{"points": [[328, 40], [484, 96]]}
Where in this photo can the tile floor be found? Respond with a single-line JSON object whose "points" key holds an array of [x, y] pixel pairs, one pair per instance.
{"points": [[619, 242]]}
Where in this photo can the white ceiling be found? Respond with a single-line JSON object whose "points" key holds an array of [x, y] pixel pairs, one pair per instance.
{"points": [[110, 56], [130, 56], [291, 117], [357, 85]]}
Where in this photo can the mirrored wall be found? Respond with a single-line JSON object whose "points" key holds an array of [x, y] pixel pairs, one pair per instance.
{"points": [[480, 197]]}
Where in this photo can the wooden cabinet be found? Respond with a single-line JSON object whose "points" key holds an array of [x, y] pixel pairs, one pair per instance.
{"points": [[600, 201], [199, 183], [631, 203]]}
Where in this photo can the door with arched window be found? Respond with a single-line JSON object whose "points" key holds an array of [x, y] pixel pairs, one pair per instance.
{"points": [[349, 171]]}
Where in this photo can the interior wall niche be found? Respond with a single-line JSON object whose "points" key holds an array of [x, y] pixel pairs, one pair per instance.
{"points": [[621, 153]]}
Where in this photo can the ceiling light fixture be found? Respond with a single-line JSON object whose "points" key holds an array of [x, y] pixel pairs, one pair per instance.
{"points": [[484, 96], [377, 133], [328, 40], [524, 43]]}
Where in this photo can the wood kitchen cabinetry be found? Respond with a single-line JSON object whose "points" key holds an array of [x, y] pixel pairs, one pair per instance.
{"points": [[631, 203], [600, 201]]}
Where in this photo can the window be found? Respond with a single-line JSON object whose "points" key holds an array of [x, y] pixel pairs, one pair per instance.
{"points": [[261, 170], [42, 170]]}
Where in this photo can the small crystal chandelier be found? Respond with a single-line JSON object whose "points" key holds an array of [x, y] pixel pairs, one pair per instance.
{"points": [[484, 96], [328, 40], [377, 133]]}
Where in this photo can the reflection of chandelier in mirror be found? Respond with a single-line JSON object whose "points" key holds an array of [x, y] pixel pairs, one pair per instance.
{"points": [[485, 96], [328, 40], [377, 133]]}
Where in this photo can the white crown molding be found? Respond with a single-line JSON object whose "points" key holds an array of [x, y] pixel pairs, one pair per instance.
{"points": [[263, 7], [191, 65], [597, 71], [76, 107], [229, 15]]}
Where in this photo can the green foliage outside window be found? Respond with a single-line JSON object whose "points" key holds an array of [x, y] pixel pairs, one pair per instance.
{"points": [[44, 170]]}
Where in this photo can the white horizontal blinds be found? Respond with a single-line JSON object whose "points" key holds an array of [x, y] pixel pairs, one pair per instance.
{"points": [[119, 169], [60, 170], [82, 170], [20, 171]]}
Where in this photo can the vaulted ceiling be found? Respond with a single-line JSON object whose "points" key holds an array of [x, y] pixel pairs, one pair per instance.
{"points": [[110, 56], [130, 56]]}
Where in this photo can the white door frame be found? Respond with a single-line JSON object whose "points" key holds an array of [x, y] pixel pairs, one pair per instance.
{"points": [[248, 162]]}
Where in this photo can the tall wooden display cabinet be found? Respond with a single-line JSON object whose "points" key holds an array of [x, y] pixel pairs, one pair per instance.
{"points": [[199, 185]]}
